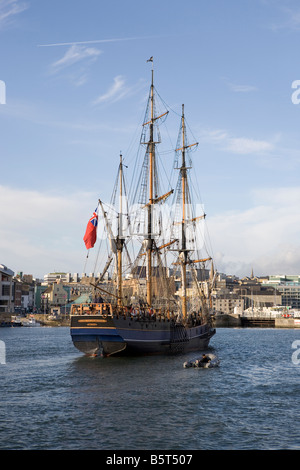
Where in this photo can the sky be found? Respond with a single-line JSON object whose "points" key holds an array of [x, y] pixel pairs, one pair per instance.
{"points": [[74, 80]]}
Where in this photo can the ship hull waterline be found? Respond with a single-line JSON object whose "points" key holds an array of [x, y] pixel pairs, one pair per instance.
{"points": [[96, 336]]}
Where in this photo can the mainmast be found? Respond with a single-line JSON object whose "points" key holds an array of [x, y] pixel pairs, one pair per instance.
{"points": [[151, 184]]}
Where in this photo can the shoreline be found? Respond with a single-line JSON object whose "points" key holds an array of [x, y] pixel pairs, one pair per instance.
{"points": [[219, 321]]}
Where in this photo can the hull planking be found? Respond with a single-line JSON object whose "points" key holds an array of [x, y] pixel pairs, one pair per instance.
{"points": [[126, 335]]}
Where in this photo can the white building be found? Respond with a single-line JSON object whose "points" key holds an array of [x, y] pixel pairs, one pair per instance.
{"points": [[6, 289], [51, 278]]}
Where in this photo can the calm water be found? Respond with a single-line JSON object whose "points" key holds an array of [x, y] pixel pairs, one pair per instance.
{"points": [[52, 397]]}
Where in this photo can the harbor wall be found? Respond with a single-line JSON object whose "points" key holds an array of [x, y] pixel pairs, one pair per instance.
{"points": [[227, 320], [235, 320], [287, 322], [219, 321], [44, 320]]}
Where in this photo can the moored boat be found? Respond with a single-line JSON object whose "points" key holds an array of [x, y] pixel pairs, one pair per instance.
{"points": [[30, 322], [16, 321]]}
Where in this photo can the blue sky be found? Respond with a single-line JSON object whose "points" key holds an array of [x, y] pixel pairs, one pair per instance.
{"points": [[76, 81]]}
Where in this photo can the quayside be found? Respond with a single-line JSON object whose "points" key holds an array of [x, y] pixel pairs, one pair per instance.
{"points": [[153, 295]]}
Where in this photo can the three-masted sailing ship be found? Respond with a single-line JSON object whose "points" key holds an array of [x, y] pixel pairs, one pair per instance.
{"points": [[157, 308]]}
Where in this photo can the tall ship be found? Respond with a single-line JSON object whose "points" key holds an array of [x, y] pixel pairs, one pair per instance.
{"points": [[153, 295]]}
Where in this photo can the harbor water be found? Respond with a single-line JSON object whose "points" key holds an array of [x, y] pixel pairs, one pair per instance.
{"points": [[52, 397]]}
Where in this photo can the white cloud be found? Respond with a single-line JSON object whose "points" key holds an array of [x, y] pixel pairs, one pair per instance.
{"points": [[242, 88], [40, 232], [288, 18], [9, 9], [118, 90], [75, 54], [242, 145], [265, 237], [239, 145], [237, 88]]}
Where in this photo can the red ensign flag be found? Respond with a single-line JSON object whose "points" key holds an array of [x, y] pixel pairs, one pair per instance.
{"points": [[91, 231]]}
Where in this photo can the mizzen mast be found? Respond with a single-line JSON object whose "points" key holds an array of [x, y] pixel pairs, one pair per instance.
{"points": [[183, 250], [183, 171], [150, 137], [120, 238]]}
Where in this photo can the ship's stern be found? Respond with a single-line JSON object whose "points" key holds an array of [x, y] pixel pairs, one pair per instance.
{"points": [[93, 331]]}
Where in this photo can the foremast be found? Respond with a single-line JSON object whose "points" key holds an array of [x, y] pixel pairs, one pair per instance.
{"points": [[117, 242]]}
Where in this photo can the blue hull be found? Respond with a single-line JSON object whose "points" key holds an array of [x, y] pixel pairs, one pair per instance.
{"points": [[95, 335]]}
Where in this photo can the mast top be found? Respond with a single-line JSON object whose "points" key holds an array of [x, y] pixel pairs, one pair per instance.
{"points": [[151, 60]]}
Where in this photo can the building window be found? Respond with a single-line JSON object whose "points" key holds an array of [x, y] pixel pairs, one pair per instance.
{"points": [[5, 290]]}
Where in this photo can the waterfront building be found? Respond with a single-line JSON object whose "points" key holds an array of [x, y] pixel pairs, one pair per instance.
{"points": [[23, 292], [56, 294], [6, 289], [228, 303], [256, 295], [38, 299], [68, 278], [51, 278], [288, 286], [232, 294]]}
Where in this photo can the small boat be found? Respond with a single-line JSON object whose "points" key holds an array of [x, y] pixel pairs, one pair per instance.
{"points": [[210, 361], [16, 321], [30, 322]]}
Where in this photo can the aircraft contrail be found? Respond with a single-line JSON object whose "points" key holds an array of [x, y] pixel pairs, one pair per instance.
{"points": [[92, 42]]}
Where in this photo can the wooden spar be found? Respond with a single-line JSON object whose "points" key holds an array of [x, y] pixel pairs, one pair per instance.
{"points": [[161, 247], [186, 147], [103, 290], [198, 218], [194, 261], [155, 118], [194, 219], [160, 198], [200, 260]]}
